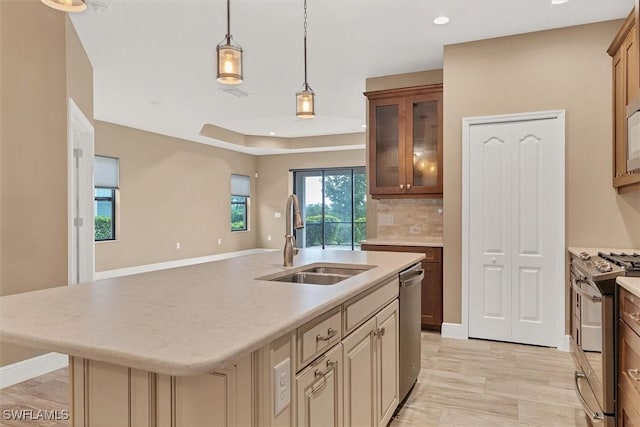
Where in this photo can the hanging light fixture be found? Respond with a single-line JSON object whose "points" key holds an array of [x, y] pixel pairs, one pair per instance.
{"points": [[73, 6], [229, 57], [305, 97]]}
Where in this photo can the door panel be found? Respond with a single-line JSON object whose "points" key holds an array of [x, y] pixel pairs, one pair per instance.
{"points": [[387, 356], [359, 376], [514, 199], [489, 243], [535, 229], [319, 391]]}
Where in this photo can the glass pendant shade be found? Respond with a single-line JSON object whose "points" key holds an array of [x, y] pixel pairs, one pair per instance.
{"points": [[305, 108], [73, 6], [229, 62]]}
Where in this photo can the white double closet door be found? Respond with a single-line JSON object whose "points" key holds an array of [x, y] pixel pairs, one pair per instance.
{"points": [[516, 214]]}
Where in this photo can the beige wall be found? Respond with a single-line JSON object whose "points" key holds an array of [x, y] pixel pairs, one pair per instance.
{"points": [[34, 149], [396, 81], [171, 190], [79, 72], [275, 185], [566, 69]]}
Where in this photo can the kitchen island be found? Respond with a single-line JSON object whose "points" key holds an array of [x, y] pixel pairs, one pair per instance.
{"points": [[204, 344]]}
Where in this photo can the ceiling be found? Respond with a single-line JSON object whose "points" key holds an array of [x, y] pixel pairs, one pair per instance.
{"points": [[154, 60]]}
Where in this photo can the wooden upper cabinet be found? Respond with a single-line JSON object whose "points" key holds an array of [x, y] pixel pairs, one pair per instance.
{"points": [[405, 142], [626, 99]]}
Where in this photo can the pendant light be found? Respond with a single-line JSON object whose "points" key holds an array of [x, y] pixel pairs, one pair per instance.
{"points": [[73, 6], [229, 55], [305, 97]]}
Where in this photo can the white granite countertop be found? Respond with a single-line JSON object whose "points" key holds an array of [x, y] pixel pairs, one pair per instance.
{"points": [[632, 284], [187, 320], [594, 251], [429, 242]]}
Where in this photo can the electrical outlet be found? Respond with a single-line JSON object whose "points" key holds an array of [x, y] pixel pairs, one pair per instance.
{"points": [[281, 386], [269, 237], [440, 211], [219, 241], [414, 229], [277, 214], [385, 219], [177, 245]]}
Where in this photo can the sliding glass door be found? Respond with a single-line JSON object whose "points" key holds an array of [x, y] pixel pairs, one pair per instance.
{"points": [[333, 203]]}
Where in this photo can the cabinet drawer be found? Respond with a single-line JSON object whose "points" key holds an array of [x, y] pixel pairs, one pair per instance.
{"points": [[431, 254], [629, 366], [360, 308], [630, 309], [318, 335], [628, 413]]}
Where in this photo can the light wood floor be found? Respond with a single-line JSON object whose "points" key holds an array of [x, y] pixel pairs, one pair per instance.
{"points": [[470, 383], [485, 383]]}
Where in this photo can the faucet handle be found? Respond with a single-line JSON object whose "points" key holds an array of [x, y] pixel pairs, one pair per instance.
{"points": [[293, 243]]}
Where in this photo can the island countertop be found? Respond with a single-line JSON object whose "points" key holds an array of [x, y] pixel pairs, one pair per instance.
{"points": [[187, 320]]}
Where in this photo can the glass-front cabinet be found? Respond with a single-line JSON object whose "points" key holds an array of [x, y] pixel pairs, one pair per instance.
{"points": [[405, 142]]}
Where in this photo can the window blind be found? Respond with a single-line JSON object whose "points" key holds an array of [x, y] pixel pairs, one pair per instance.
{"points": [[240, 185], [105, 172]]}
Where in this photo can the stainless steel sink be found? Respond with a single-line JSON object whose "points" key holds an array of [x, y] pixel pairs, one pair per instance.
{"points": [[318, 274]]}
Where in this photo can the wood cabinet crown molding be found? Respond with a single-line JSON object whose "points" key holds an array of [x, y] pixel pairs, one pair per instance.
{"points": [[404, 91], [620, 36]]}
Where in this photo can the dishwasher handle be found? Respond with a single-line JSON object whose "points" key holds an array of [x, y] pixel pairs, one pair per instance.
{"points": [[408, 277]]}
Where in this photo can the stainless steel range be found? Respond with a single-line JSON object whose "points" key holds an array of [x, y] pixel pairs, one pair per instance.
{"points": [[593, 325]]}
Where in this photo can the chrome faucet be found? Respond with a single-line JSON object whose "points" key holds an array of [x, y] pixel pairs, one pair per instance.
{"points": [[290, 249]]}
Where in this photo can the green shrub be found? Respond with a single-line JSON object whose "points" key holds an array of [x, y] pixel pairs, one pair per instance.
{"points": [[104, 228]]}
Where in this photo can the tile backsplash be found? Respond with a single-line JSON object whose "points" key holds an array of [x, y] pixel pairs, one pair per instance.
{"points": [[409, 218]]}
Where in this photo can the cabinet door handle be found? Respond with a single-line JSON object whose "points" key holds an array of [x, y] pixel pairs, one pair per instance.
{"points": [[633, 373], [408, 186], [635, 316], [379, 332], [330, 366], [402, 186], [330, 334]]}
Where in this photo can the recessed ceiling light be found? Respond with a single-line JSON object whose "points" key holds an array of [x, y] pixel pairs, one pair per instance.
{"points": [[272, 133], [441, 20], [559, 1]]}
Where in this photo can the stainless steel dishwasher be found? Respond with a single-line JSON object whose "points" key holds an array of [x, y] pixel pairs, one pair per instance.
{"points": [[410, 302]]}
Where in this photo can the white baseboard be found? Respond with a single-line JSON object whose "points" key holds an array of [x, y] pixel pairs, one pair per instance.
{"points": [[565, 343], [454, 330], [30, 368], [108, 274]]}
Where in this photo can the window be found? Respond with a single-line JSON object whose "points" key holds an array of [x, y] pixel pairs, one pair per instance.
{"points": [[240, 193], [106, 172], [333, 207]]}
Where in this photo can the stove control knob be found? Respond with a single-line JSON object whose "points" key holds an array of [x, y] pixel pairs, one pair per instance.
{"points": [[584, 256], [604, 267]]}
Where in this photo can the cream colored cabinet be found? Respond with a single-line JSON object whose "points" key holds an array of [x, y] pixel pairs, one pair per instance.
{"points": [[319, 391], [360, 376], [387, 366], [108, 395], [371, 370]]}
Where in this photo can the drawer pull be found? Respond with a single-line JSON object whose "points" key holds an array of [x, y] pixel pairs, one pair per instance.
{"points": [[330, 334], [634, 316], [634, 374], [330, 366]]}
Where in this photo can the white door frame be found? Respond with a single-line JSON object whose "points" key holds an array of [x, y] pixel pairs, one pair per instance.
{"points": [[467, 122], [77, 123]]}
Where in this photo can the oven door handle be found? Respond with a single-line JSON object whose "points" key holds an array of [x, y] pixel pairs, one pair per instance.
{"points": [[582, 292], [596, 417]]}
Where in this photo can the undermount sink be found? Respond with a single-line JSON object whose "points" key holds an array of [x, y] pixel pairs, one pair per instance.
{"points": [[319, 274]]}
